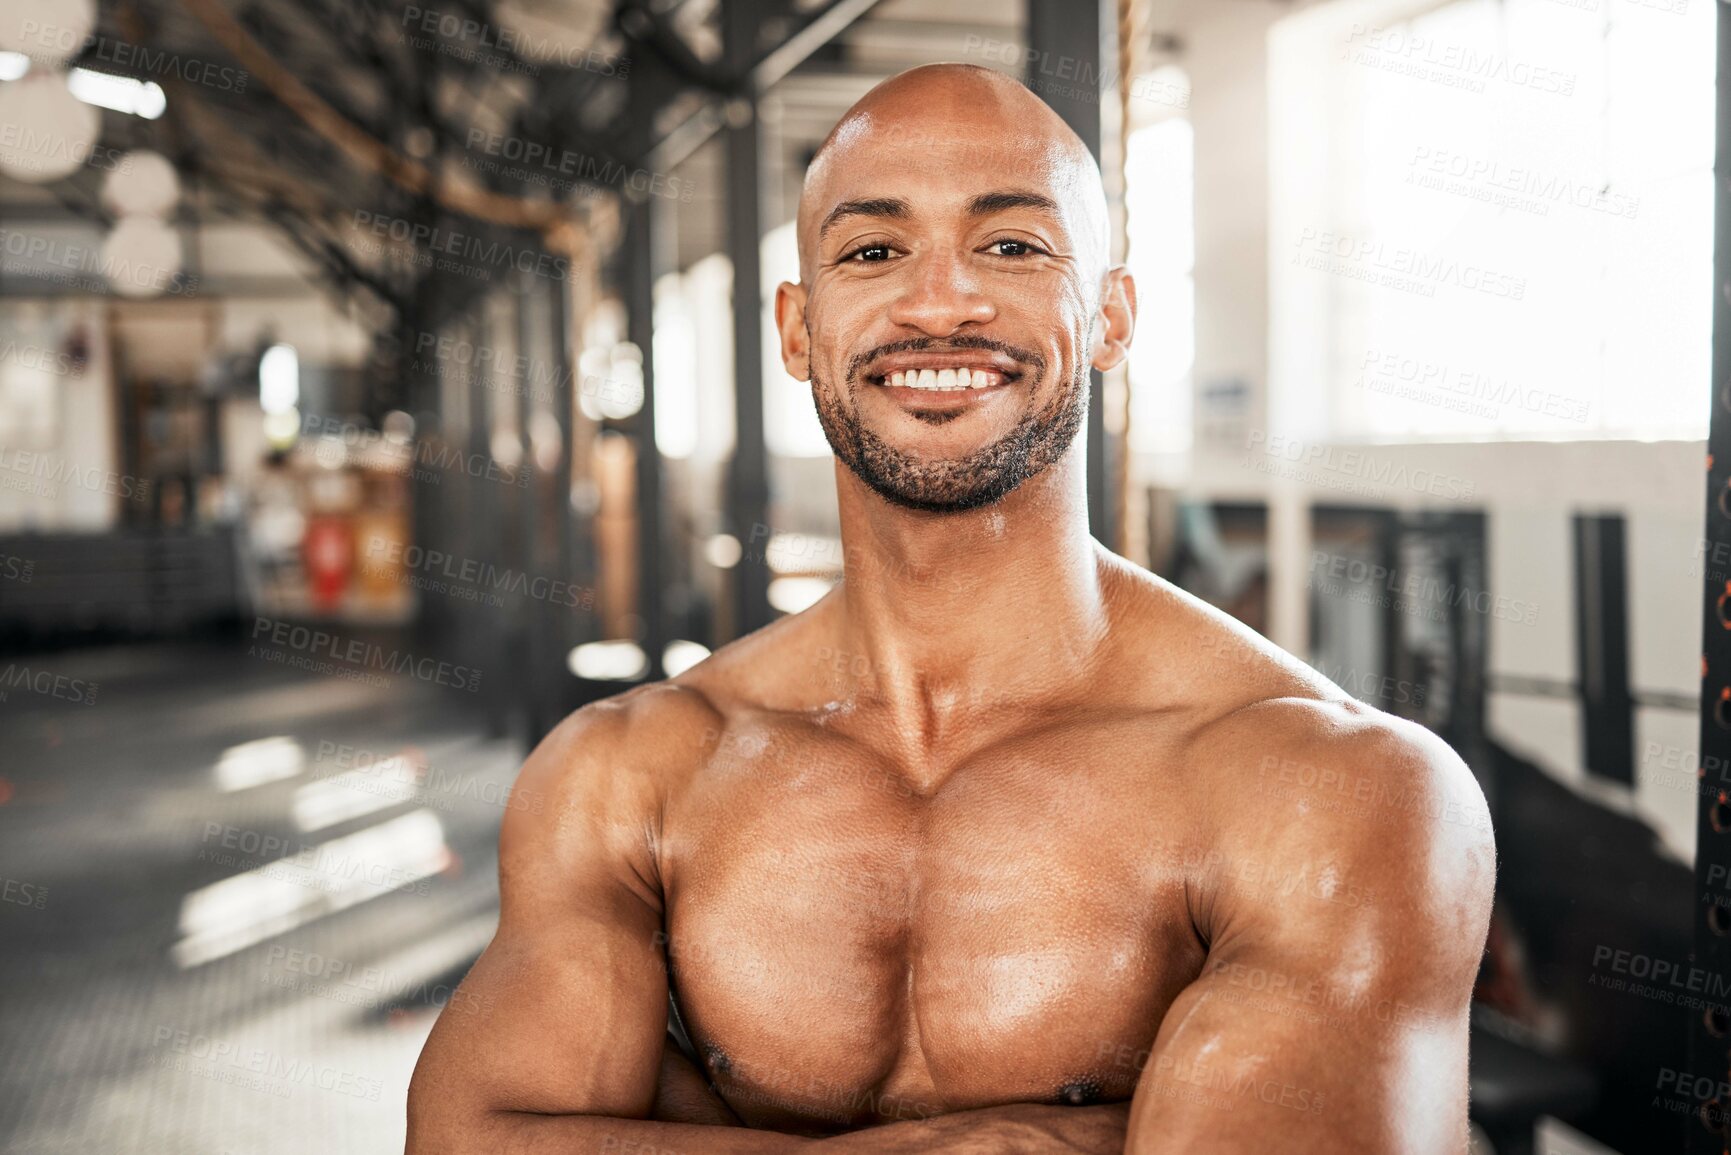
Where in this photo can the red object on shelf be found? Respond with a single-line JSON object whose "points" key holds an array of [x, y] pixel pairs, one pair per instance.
{"points": [[328, 551]]}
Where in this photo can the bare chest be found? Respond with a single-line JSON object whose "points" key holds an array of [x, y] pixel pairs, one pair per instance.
{"points": [[849, 948]]}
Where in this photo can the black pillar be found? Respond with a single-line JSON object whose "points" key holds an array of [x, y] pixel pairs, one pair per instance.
{"points": [[748, 478], [1074, 67]]}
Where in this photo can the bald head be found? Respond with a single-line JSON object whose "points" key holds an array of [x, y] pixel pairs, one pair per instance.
{"points": [[959, 118]]}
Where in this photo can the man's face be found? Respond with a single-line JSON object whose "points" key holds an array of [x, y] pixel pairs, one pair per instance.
{"points": [[951, 272]]}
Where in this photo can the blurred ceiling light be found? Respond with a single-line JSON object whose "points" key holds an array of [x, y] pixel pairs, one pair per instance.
{"points": [[13, 65], [790, 595], [144, 183], [120, 93], [46, 31], [680, 655], [233, 914], [281, 430], [279, 379], [398, 426], [141, 257], [612, 381], [614, 661], [255, 763], [46, 133], [723, 551]]}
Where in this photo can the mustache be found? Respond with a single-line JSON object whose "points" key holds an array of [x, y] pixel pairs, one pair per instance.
{"points": [[948, 345]]}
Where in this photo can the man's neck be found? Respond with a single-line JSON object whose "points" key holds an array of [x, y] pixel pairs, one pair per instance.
{"points": [[955, 611]]}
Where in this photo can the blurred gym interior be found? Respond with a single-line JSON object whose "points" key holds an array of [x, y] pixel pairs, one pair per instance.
{"points": [[380, 382]]}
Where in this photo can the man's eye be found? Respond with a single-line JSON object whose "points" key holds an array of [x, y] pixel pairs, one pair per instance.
{"points": [[1009, 247], [869, 254]]}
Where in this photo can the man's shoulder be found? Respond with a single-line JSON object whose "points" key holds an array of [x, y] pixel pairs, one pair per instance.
{"points": [[1339, 790]]}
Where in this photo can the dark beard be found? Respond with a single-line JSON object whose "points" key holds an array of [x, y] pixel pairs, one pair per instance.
{"points": [[955, 484]]}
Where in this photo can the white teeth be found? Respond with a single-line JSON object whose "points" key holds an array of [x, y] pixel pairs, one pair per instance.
{"points": [[942, 380]]}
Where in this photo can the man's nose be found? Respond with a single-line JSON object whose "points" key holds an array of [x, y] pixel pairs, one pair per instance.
{"points": [[941, 295]]}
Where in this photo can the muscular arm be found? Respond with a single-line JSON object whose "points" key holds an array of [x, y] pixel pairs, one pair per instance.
{"points": [[569, 1055], [1346, 913]]}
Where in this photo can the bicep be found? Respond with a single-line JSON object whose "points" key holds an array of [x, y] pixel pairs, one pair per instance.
{"points": [[1279, 1051], [1332, 1012], [565, 1011]]}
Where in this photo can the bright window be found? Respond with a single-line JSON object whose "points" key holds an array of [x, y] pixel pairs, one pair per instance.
{"points": [[1160, 221], [1493, 220]]}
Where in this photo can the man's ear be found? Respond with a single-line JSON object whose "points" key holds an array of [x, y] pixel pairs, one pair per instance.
{"points": [[1117, 319], [790, 322]]}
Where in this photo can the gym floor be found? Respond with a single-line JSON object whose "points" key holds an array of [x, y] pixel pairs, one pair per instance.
{"points": [[140, 1014]]}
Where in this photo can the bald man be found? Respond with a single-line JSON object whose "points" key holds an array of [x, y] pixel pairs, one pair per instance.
{"points": [[1005, 845]]}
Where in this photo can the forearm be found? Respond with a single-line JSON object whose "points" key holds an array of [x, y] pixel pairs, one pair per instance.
{"points": [[1014, 1129], [1017, 1129]]}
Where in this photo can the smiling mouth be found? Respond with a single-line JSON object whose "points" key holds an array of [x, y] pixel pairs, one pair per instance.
{"points": [[946, 380]]}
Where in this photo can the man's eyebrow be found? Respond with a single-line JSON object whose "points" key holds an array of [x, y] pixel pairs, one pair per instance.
{"points": [[872, 207], [997, 202]]}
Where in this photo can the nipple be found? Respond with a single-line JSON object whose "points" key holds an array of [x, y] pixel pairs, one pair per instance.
{"points": [[1080, 1093]]}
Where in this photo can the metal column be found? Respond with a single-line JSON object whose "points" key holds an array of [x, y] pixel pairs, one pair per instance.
{"points": [[644, 260], [748, 479], [1709, 1045], [1074, 46]]}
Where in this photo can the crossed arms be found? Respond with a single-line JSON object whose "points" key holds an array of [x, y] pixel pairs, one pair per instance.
{"points": [[1333, 1016]]}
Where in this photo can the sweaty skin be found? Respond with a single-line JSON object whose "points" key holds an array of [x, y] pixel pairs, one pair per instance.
{"points": [[1005, 845]]}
